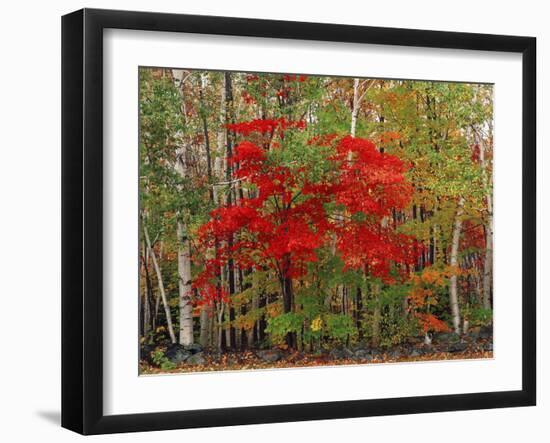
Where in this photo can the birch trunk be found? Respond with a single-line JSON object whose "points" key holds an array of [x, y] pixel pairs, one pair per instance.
{"points": [[185, 289], [220, 158], [355, 108], [184, 246], [147, 296], [227, 319], [220, 326], [230, 118], [453, 296], [488, 259], [205, 326], [219, 168], [205, 309], [161, 285]]}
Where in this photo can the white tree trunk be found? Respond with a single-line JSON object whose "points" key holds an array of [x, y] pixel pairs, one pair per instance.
{"points": [[206, 313], [161, 285], [184, 245], [220, 331], [355, 108], [146, 299], [453, 296], [220, 157], [488, 259], [185, 289]]}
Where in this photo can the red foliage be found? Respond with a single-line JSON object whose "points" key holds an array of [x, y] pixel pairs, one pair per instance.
{"points": [[248, 99], [370, 182], [265, 126], [283, 92], [281, 234], [369, 244], [473, 236], [211, 293], [323, 140], [286, 221], [294, 78], [248, 155], [476, 153]]}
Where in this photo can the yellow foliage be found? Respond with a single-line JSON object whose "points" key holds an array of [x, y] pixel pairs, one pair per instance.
{"points": [[436, 277], [245, 322], [316, 324], [274, 309]]}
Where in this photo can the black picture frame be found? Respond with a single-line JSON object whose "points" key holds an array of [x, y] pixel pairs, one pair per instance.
{"points": [[82, 218]]}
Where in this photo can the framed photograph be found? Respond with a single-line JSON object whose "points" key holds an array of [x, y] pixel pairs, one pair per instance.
{"points": [[269, 221]]}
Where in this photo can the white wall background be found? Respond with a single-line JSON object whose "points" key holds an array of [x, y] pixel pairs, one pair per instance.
{"points": [[30, 219]]}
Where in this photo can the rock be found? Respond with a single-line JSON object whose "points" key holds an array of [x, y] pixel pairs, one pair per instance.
{"points": [[363, 354], [426, 350], [177, 353], [196, 359], [447, 337], [395, 354], [488, 347], [233, 360], [414, 354], [269, 355], [486, 332], [458, 347], [216, 356], [145, 352], [359, 346], [295, 356], [194, 348], [340, 353]]}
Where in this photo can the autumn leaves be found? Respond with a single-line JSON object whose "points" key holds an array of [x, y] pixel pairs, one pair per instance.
{"points": [[292, 233]]}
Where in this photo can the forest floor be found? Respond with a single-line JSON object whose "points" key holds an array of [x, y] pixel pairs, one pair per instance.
{"points": [[443, 347]]}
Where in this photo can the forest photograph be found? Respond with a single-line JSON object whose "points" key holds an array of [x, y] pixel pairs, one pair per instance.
{"points": [[292, 220]]}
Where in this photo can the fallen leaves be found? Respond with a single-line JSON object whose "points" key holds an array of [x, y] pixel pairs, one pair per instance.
{"points": [[242, 361]]}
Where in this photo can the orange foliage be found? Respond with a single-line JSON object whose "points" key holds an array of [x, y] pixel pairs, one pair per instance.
{"points": [[430, 322], [422, 295]]}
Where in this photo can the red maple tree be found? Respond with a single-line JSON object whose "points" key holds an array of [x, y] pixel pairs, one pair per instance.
{"points": [[287, 217]]}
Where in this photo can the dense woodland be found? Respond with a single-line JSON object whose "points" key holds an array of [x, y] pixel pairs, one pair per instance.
{"points": [[301, 220]]}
